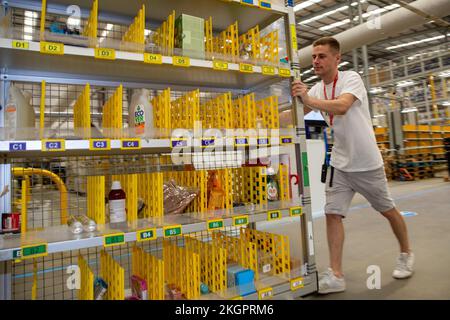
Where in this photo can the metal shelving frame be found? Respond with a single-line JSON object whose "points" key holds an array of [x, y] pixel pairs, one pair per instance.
{"points": [[77, 66]]}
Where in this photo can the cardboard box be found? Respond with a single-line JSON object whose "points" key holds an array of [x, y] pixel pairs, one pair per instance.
{"points": [[190, 36]]}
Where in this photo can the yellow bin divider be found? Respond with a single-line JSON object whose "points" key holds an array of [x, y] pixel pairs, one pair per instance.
{"points": [[90, 30], [284, 182], [164, 36], [267, 113], [82, 113], [151, 269], [96, 199], [269, 47], [114, 275], [150, 189], [135, 35], [112, 114], [87, 280], [161, 112], [252, 38]]}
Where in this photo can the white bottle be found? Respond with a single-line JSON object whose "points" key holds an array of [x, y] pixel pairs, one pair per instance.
{"points": [[140, 112], [19, 113], [117, 197]]}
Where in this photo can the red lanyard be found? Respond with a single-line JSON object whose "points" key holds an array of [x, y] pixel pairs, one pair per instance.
{"points": [[332, 95]]}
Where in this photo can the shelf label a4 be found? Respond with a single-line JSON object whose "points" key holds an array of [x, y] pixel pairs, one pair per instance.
{"points": [[54, 145], [146, 235], [220, 65], [105, 53], [99, 144], [153, 58], [113, 239], [215, 224], [23, 45], [172, 231], [181, 61], [52, 48]]}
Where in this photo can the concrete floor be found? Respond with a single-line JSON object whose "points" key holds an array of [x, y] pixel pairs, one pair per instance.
{"points": [[370, 241]]}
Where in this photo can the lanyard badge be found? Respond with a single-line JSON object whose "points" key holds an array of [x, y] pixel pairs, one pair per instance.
{"points": [[332, 95]]}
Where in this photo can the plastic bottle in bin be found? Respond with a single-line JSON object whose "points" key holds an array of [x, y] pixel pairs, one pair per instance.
{"points": [[117, 210]]}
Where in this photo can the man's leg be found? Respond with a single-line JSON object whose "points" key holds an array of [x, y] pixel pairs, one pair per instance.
{"points": [[335, 236], [398, 225]]}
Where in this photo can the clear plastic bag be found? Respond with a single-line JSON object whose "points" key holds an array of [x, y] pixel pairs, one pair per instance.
{"points": [[177, 198]]}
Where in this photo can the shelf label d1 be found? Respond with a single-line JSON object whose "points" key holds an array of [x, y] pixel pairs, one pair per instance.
{"points": [[245, 67], [153, 58], [17, 146], [181, 61], [130, 144], [297, 283], [268, 70], [215, 224], [22, 45], [33, 251], [284, 72], [220, 65], [113, 239], [146, 235], [296, 211], [99, 144], [105, 54], [52, 48], [240, 221], [274, 215], [265, 294], [54, 145], [172, 231]]}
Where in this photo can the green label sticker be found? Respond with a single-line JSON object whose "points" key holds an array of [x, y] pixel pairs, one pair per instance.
{"points": [[146, 235], [114, 239], [297, 211], [172, 231], [305, 169], [240, 221], [274, 215], [215, 224], [34, 251]]}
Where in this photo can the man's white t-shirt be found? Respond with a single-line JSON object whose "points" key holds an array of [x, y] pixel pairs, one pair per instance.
{"points": [[355, 148]]}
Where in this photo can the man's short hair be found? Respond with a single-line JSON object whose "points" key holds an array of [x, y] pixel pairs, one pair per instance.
{"points": [[332, 42]]}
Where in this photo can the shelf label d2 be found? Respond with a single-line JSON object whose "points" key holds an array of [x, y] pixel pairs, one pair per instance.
{"points": [[54, 145], [172, 231], [181, 61], [130, 144], [220, 65], [265, 294], [17, 146], [146, 235], [215, 224], [105, 54], [297, 283], [113, 239], [240, 221], [274, 215], [268, 70], [99, 144], [22, 45], [33, 251], [52, 48], [296, 211], [153, 58], [246, 68]]}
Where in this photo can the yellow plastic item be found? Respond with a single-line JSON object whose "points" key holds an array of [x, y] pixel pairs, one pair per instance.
{"points": [[151, 269], [284, 182], [35, 280], [164, 36], [136, 32], [245, 112], [82, 113], [42, 109], [112, 114], [129, 184], [24, 204], [227, 42], [269, 47], [56, 179], [251, 39], [96, 199], [216, 195], [114, 275], [218, 112], [250, 185], [87, 280], [185, 110], [267, 113], [90, 30], [209, 36], [150, 188], [161, 112], [43, 15]]}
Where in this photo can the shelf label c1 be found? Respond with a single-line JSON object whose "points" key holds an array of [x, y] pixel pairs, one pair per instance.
{"points": [[220, 65], [52, 48], [146, 235], [245, 67], [113, 239], [172, 231], [23, 45], [181, 61], [17, 146], [240, 220], [274, 215], [152, 58], [215, 224], [99, 144], [105, 53], [53, 145], [265, 294]]}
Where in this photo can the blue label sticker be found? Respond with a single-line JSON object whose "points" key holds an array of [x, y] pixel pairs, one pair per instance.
{"points": [[286, 140], [100, 144], [408, 213], [53, 145], [17, 146], [179, 143], [263, 141], [208, 142], [265, 5], [130, 144], [241, 141], [247, 2]]}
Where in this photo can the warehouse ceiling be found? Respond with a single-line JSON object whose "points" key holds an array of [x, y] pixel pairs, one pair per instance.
{"points": [[318, 18]]}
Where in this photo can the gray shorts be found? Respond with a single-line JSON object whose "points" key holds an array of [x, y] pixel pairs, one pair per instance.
{"points": [[370, 184]]}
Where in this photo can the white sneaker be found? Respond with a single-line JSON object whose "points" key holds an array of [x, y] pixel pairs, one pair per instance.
{"points": [[404, 268], [329, 283]]}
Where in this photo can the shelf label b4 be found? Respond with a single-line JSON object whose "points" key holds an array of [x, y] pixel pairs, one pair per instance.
{"points": [[146, 235]]}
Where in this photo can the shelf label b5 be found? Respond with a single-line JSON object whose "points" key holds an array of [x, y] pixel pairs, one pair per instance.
{"points": [[52, 48], [152, 58], [181, 61], [23, 45], [172, 231], [53, 145], [104, 53]]}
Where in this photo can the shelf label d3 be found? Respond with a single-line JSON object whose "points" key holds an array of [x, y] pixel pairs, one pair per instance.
{"points": [[52, 48], [105, 54], [181, 61], [153, 58], [113, 239], [22, 45], [54, 145]]}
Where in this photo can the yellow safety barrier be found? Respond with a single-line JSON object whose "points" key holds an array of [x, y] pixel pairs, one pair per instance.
{"points": [[87, 280], [284, 182], [164, 36], [129, 183], [213, 262], [114, 275], [251, 40], [269, 47], [43, 16], [82, 113], [151, 269], [56, 179], [161, 112], [112, 114], [90, 30], [182, 269], [150, 188], [96, 199], [135, 33], [267, 113]]}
